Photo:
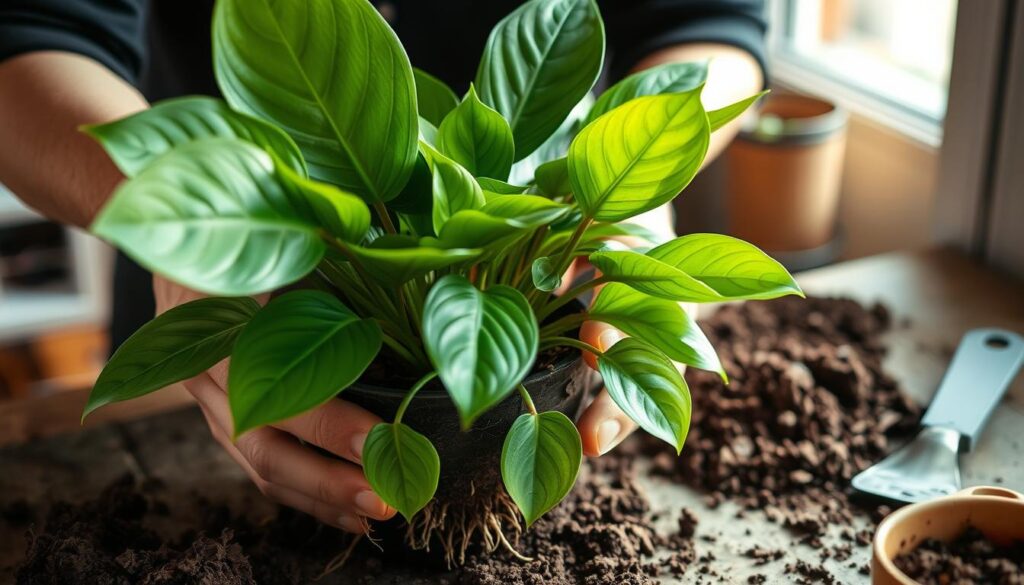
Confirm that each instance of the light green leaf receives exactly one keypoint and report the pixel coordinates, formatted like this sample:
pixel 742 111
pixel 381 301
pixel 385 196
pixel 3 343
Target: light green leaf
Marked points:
pixel 552 178
pixel 342 214
pixel 393 260
pixel 427 134
pixel 648 388
pixel 540 461
pixel 334 76
pixel 297 353
pixel 639 156
pixel 178 344
pixel 545 274
pixel 401 466
pixel 434 99
pixel 653 276
pixel 455 189
pixel 721 117
pixel 526 211
pixel 499 187
pixel 482 344
pixel 665 78
pixel 478 138
pixel 216 216
pixel 539 61
pixel 134 142
pixel 501 218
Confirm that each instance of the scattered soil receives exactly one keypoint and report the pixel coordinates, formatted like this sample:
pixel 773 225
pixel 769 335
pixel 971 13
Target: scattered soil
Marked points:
pixel 971 558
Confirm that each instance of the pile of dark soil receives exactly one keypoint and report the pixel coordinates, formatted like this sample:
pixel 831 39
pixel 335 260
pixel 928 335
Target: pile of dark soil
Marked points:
pixel 971 558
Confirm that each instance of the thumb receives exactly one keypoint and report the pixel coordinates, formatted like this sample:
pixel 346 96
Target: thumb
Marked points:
pixel 600 335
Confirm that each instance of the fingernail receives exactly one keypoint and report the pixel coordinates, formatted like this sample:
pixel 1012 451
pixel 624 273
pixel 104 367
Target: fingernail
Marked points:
pixel 351 523
pixel 607 435
pixel 357 445
pixel 370 504
pixel 607 339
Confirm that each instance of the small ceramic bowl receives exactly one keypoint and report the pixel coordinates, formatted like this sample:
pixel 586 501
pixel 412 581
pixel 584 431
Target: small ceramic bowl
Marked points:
pixel 997 512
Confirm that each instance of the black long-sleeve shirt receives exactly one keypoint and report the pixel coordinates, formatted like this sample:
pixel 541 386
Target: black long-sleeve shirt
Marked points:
pixel 163 47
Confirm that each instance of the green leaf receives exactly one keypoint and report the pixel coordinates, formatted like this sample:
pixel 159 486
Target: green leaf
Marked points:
pixel 427 133
pixel 297 353
pixel 653 276
pixel 417 196
pixel 216 216
pixel 639 156
pixel 665 78
pixel 478 138
pixel 539 61
pixel 556 146
pixel 662 323
pixel 434 99
pixel 455 189
pixel 540 461
pixel 393 260
pixel 499 187
pixel 177 345
pixel 545 274
pixel 482 343
pixel 648 388
pixel 502 217
pixel 401 466
pixel 134 142
pixel 334 76
pixel 732 267
pixel 342 214
pixel 527 211
pixel 721 117
pixel 552 178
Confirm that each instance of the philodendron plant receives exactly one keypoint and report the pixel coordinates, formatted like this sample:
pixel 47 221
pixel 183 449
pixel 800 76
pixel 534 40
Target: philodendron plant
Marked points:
pixel 398 216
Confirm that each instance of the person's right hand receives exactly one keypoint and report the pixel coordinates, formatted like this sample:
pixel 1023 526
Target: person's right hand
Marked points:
pixel 283 468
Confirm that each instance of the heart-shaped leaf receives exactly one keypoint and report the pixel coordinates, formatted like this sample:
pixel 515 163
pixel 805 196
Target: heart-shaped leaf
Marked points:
pixel 478 138
pixel 178 344
pixel 552 178
pixel 482 343
pixel 434 99
pixel 499 187
pixel 721 117
pixel 540 461
pixel 401 466
pixel 302 349
pixel 638 156
pixel 133 142
pixel 648 388
pixel 545 274
pixel 662 323
pixel 539 61
pixel 334 76
pixel 455 189
pixel 216 216
pixel 732 267
pixel 393 260
pixel 653 276
pixel 665 78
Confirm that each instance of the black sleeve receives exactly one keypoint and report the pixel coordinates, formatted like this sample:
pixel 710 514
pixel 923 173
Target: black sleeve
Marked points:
pixel 637 28
pixel 109 31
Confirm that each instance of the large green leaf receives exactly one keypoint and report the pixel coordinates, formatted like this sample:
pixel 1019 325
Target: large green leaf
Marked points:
pixel 215 215
pixel 648 388
pixel 342 214
pixel 334 76
pixel 134 142
pixel 722 116
pixel 455 189
pixel 434 99
pixel 732 267
pixel 540 461
pixel 638 156
pixel 401 466
pixel 660 322
pixel 539 61
pixel 482 343
pixel 297 353
pixel 552 178
pixel 478 138
pixel 665 78
pixel 393 260
pixel 178 344
pixel 652 276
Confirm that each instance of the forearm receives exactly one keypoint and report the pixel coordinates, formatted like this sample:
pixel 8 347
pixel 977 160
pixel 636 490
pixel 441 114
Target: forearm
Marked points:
pixel 44 159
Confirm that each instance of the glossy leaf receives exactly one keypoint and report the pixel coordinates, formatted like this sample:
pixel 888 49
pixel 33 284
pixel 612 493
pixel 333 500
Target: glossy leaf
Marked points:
pixel 333 75
pixel 434 99
pixel 393 260
pixel 556 146
pixel 639 156
pixel 501 217
pixel 418 194
pixel 427 133
pixel 455 189
pixel 401 466
pixel 653 276
pixel 482 343
pixel 721 117
pixel 539 61
pixel 540 461
pixel 665 78
pixel 178 344
pixel 545 274
pixel 478 138
pixel 300 351
pixel 552 178
pixel 134 142
pixel 342 214
pixel 216 216
pixel 499 187
pixel 648 388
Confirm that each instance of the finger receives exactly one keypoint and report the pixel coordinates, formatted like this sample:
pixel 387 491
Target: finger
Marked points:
pixel 603 426
pixel 338 426
pixel 600 335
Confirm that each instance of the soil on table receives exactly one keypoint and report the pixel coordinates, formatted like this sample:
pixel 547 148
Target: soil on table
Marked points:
pixel 968 559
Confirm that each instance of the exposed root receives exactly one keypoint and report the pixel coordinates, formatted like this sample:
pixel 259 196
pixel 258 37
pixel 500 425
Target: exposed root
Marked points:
pixel 342 558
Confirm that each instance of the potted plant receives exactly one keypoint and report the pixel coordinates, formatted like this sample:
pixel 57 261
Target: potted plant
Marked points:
pixel 379 203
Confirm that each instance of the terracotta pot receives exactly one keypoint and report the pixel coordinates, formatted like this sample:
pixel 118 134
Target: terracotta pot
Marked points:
pixel 997 512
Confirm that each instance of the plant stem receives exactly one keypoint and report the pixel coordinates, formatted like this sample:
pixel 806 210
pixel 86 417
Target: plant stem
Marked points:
pixel 568 296
pixel 399 349
pixel 567 323
pixel 385 218
pixel 412 392
pixel 527 400
pixel 554 341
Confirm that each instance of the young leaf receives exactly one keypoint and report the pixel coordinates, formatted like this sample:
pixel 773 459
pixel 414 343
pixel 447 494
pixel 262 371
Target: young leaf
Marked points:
pixel 434 99
pixel 648 388
pixel 478 138
pixel 334 76
pixel 134 142
pixel 401 466
pixel 652 276
pixel 539 61
pixel 499 187
pixel 482 343
pixel 666 78
pixel 502 217
pixel 214 215
pixel 552 178
pixel 732 267
pixel 455 189
pixel 721 117
pixel 342 214
pixel 302 349
pixel 178 344
pixel 393 260
pixel 545 275
pixel 540 461
pixel 526 211
pixel 662 323
pixel 638 156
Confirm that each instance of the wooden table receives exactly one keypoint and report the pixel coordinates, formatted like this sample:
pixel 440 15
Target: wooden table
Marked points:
pixel 941 293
